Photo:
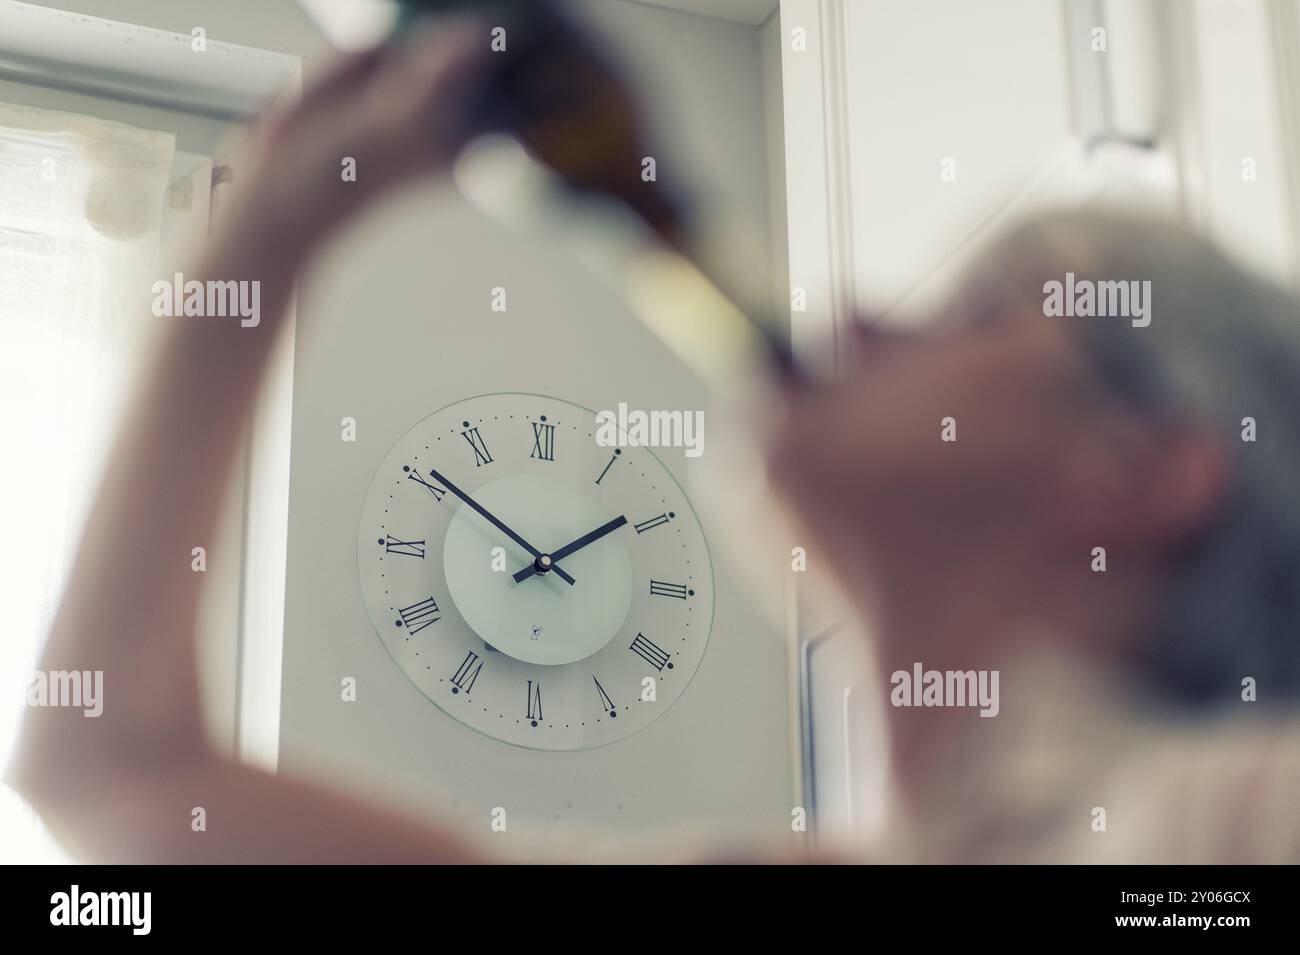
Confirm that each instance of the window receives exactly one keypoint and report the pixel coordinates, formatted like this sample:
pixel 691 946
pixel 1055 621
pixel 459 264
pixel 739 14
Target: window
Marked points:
pixel 81 204
pixel 106 172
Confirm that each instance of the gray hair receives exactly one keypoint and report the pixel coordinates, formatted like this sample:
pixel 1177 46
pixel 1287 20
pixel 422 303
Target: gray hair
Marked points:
pixel 1223 345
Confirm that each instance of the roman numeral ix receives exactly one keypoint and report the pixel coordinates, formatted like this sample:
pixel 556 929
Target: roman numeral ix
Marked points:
pixel 395 545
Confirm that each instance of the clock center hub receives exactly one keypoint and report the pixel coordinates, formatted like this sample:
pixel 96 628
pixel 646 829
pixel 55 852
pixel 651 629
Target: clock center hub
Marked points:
pixel 541 619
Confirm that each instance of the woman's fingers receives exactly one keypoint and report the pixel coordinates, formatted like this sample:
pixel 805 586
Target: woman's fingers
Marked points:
pixel 340 77
pixel 416 106
pixel 321 94
pixel 374 121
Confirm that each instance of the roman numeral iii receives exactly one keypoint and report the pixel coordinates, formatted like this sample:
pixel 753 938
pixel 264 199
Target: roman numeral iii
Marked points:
pixel 481 454
pixel 660 589
pixel 403 548
pixel 543 442
pixel 651 654
pixel 419 615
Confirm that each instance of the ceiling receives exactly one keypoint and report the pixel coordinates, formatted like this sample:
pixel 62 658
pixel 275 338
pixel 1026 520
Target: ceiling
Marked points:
pixel 752 12
pixel 356 24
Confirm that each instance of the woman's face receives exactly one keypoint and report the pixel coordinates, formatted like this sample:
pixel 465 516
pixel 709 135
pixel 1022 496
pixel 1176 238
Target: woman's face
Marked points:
pixel 988 443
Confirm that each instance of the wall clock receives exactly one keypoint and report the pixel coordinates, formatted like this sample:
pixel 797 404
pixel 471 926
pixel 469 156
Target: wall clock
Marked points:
pixel 537 586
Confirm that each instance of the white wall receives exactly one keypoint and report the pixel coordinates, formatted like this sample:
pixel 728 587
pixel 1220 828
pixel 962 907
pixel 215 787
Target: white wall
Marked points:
pixel 1237 102
pixel 982 84
pixel 395 323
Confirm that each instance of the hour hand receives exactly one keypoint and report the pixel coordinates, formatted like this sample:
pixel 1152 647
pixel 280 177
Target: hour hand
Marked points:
pixel 559 571
pixel 547 561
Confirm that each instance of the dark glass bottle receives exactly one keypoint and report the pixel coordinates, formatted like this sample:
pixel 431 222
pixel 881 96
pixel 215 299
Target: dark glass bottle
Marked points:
pixel 567 103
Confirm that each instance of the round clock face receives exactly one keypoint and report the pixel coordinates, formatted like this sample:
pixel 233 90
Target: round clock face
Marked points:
pixel 538 586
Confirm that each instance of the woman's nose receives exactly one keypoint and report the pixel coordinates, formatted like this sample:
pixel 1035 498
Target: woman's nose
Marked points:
pixel 871 340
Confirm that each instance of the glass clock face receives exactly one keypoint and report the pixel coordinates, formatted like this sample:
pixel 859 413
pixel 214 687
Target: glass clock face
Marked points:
pixel 541 588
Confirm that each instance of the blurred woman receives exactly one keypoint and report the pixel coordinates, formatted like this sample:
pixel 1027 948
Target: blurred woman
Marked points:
pixel 1115 527
pixel 971 554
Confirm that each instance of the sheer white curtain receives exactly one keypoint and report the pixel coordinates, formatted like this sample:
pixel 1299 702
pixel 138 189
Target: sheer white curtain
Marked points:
pixel 80 214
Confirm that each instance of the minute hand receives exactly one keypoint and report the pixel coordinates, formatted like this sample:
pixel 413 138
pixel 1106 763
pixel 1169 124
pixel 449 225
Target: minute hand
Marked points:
pixel 576 545
pixel 559 571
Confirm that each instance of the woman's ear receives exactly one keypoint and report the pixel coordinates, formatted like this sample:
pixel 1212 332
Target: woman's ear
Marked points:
pixel 1138 485
pixel 1188 483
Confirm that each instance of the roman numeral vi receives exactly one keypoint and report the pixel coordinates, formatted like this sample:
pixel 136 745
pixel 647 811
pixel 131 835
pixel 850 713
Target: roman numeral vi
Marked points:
pixel 534 702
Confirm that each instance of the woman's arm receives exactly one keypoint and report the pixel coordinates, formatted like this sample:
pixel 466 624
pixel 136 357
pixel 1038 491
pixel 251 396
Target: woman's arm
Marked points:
pixel 123 786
